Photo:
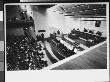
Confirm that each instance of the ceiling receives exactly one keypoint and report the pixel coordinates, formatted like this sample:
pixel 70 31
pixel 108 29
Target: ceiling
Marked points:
pixel 82 10
pixel 41 7
pixel 46 6
pixel 76 10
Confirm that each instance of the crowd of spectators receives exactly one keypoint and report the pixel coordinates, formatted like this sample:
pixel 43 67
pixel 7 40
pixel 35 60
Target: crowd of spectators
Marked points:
pixel 24 53
pixel 40 37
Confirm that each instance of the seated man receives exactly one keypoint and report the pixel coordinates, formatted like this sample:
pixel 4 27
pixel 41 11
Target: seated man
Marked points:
pixel 85 30
pixel 90 31
pixel 73 31
pixel 99 33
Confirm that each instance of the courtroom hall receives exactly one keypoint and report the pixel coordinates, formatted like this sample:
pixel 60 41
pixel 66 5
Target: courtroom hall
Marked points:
pixel 39 36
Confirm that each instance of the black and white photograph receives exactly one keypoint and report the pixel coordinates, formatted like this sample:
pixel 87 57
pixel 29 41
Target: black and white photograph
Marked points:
pixel 56 36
